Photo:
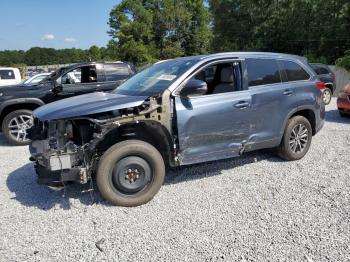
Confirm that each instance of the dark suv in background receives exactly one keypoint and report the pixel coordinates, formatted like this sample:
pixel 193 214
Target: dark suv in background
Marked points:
pixel 18 102
pixel 326 75
pixel 178 112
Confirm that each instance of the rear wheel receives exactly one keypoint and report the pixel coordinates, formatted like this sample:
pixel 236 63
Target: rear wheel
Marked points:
pixel 296 140
pixel 130 173
pixel 327 95
pixel 15 126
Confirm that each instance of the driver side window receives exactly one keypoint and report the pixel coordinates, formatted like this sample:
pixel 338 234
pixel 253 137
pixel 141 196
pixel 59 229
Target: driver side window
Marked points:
pixel 85 74
pixel 221 77
pixel 72 77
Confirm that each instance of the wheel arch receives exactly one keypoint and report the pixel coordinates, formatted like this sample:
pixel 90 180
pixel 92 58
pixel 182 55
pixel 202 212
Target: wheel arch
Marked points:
pixel 330 86
pixel 306 112
pixel 12 105
pixel 148 131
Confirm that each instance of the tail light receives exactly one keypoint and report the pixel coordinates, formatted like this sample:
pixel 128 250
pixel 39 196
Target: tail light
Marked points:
pixel 320 85
pixel 333 77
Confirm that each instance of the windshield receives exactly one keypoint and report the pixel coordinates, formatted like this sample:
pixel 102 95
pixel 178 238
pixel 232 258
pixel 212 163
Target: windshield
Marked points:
pixel 52 75
pixel 155 79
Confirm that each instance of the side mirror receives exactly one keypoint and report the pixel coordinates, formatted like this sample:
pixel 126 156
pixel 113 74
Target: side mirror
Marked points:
pixel 57 86
pixel 194 87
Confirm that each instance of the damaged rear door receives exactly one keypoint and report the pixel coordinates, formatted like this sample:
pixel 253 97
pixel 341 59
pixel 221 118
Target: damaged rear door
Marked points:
pixel 213 126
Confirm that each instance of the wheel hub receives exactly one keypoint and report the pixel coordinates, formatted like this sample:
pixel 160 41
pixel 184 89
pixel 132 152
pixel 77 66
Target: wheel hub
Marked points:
pixel 326 96
pixel 131 174
pixel 19 125
pixel 299 138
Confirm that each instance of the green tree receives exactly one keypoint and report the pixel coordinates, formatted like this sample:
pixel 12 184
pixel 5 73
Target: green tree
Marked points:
pixel 131 31
pixel 314 28
pixel 149 30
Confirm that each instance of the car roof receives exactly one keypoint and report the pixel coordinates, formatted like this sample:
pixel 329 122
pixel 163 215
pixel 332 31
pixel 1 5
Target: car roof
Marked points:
pixel 8 68
pixel 241 55
pixel 319 64
pixel 93 63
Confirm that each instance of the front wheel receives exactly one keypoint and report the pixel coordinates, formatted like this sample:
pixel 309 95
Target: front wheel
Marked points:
pixel 15 127
pixel 130 173
pixel 296 139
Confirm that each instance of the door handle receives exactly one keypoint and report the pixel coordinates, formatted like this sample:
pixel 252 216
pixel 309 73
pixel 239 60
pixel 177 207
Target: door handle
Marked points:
pixel 288 92
pixel 241 105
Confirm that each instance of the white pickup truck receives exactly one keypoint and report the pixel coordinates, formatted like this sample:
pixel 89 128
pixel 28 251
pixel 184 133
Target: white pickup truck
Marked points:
pixel 9 76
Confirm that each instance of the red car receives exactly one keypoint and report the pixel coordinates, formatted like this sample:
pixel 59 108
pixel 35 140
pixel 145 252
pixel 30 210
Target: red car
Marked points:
pixel 343 101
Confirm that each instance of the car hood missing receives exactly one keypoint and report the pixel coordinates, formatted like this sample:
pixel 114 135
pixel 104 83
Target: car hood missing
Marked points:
pixel 85 105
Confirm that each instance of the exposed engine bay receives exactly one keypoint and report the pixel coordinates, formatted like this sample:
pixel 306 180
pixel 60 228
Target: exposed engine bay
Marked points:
pixel 69 149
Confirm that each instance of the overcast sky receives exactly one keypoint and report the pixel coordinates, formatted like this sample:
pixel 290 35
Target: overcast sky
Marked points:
pixel 54 23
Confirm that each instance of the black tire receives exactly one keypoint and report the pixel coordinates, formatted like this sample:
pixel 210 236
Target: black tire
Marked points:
pixel 327 95
pixel 8 131
pixel 286 150
pixel 115 180
pixel 342 114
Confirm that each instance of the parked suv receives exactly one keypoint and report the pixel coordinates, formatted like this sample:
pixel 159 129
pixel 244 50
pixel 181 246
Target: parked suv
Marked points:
pixel 326 75
pixel 18 102
pixel 178 112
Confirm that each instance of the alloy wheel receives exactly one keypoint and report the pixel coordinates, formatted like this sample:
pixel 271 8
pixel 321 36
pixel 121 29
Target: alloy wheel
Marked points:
pixel 299 138
pixel 18 127
pixel 326 96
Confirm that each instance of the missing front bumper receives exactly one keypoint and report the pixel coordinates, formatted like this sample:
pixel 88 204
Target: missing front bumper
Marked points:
pixel 58 178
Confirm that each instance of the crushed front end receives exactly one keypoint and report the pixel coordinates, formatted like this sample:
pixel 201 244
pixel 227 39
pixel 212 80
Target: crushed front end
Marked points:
pixel 69 149
pixel 60 151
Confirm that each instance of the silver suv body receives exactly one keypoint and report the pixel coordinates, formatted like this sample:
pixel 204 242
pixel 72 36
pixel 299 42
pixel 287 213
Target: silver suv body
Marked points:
pixel 178 112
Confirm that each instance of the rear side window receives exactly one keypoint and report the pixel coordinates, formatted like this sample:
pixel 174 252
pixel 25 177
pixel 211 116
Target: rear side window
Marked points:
pixel 294 72
pixel 320 70
pixel 7 74
pixel 262 72
pixel 115 72
pixel 323 71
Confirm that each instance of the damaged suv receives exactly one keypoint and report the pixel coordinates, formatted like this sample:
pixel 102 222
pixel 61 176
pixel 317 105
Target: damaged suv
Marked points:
pixel 178 112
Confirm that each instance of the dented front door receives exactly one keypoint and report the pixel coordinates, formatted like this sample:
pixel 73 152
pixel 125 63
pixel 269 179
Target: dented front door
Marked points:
pixel 212 127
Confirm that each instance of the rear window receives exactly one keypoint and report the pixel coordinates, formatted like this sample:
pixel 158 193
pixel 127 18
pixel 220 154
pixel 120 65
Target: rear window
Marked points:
pixel 294 72
pixel 323 71
pixel 115 72
pixel 262 72
pixel 320 70
pixel 7 74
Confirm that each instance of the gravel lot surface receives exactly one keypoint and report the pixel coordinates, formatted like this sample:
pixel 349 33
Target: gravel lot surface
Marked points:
pixel 253 208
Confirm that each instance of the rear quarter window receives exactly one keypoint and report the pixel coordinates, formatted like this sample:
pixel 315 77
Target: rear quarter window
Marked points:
pixel 7 74
pixel 320 70
pixel 324 71
pixel 294 72
pixel 262 72
pixel 115 72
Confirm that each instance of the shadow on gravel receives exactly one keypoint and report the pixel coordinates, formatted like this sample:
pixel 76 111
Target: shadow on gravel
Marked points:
pixel 199 171
pixel 333 116
pixel 22 182
pixel 3 141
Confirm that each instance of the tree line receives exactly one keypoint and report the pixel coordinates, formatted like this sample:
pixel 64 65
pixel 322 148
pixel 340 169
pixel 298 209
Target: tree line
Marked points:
pixel 144 31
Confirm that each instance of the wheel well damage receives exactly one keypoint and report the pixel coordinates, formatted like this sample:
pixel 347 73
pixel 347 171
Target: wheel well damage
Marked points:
pixel 148 131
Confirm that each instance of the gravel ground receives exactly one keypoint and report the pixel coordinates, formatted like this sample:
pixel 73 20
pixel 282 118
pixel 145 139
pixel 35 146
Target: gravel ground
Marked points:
pixel 253 208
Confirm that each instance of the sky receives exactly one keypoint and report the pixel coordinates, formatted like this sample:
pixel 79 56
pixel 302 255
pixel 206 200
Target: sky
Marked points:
pixel 54 23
